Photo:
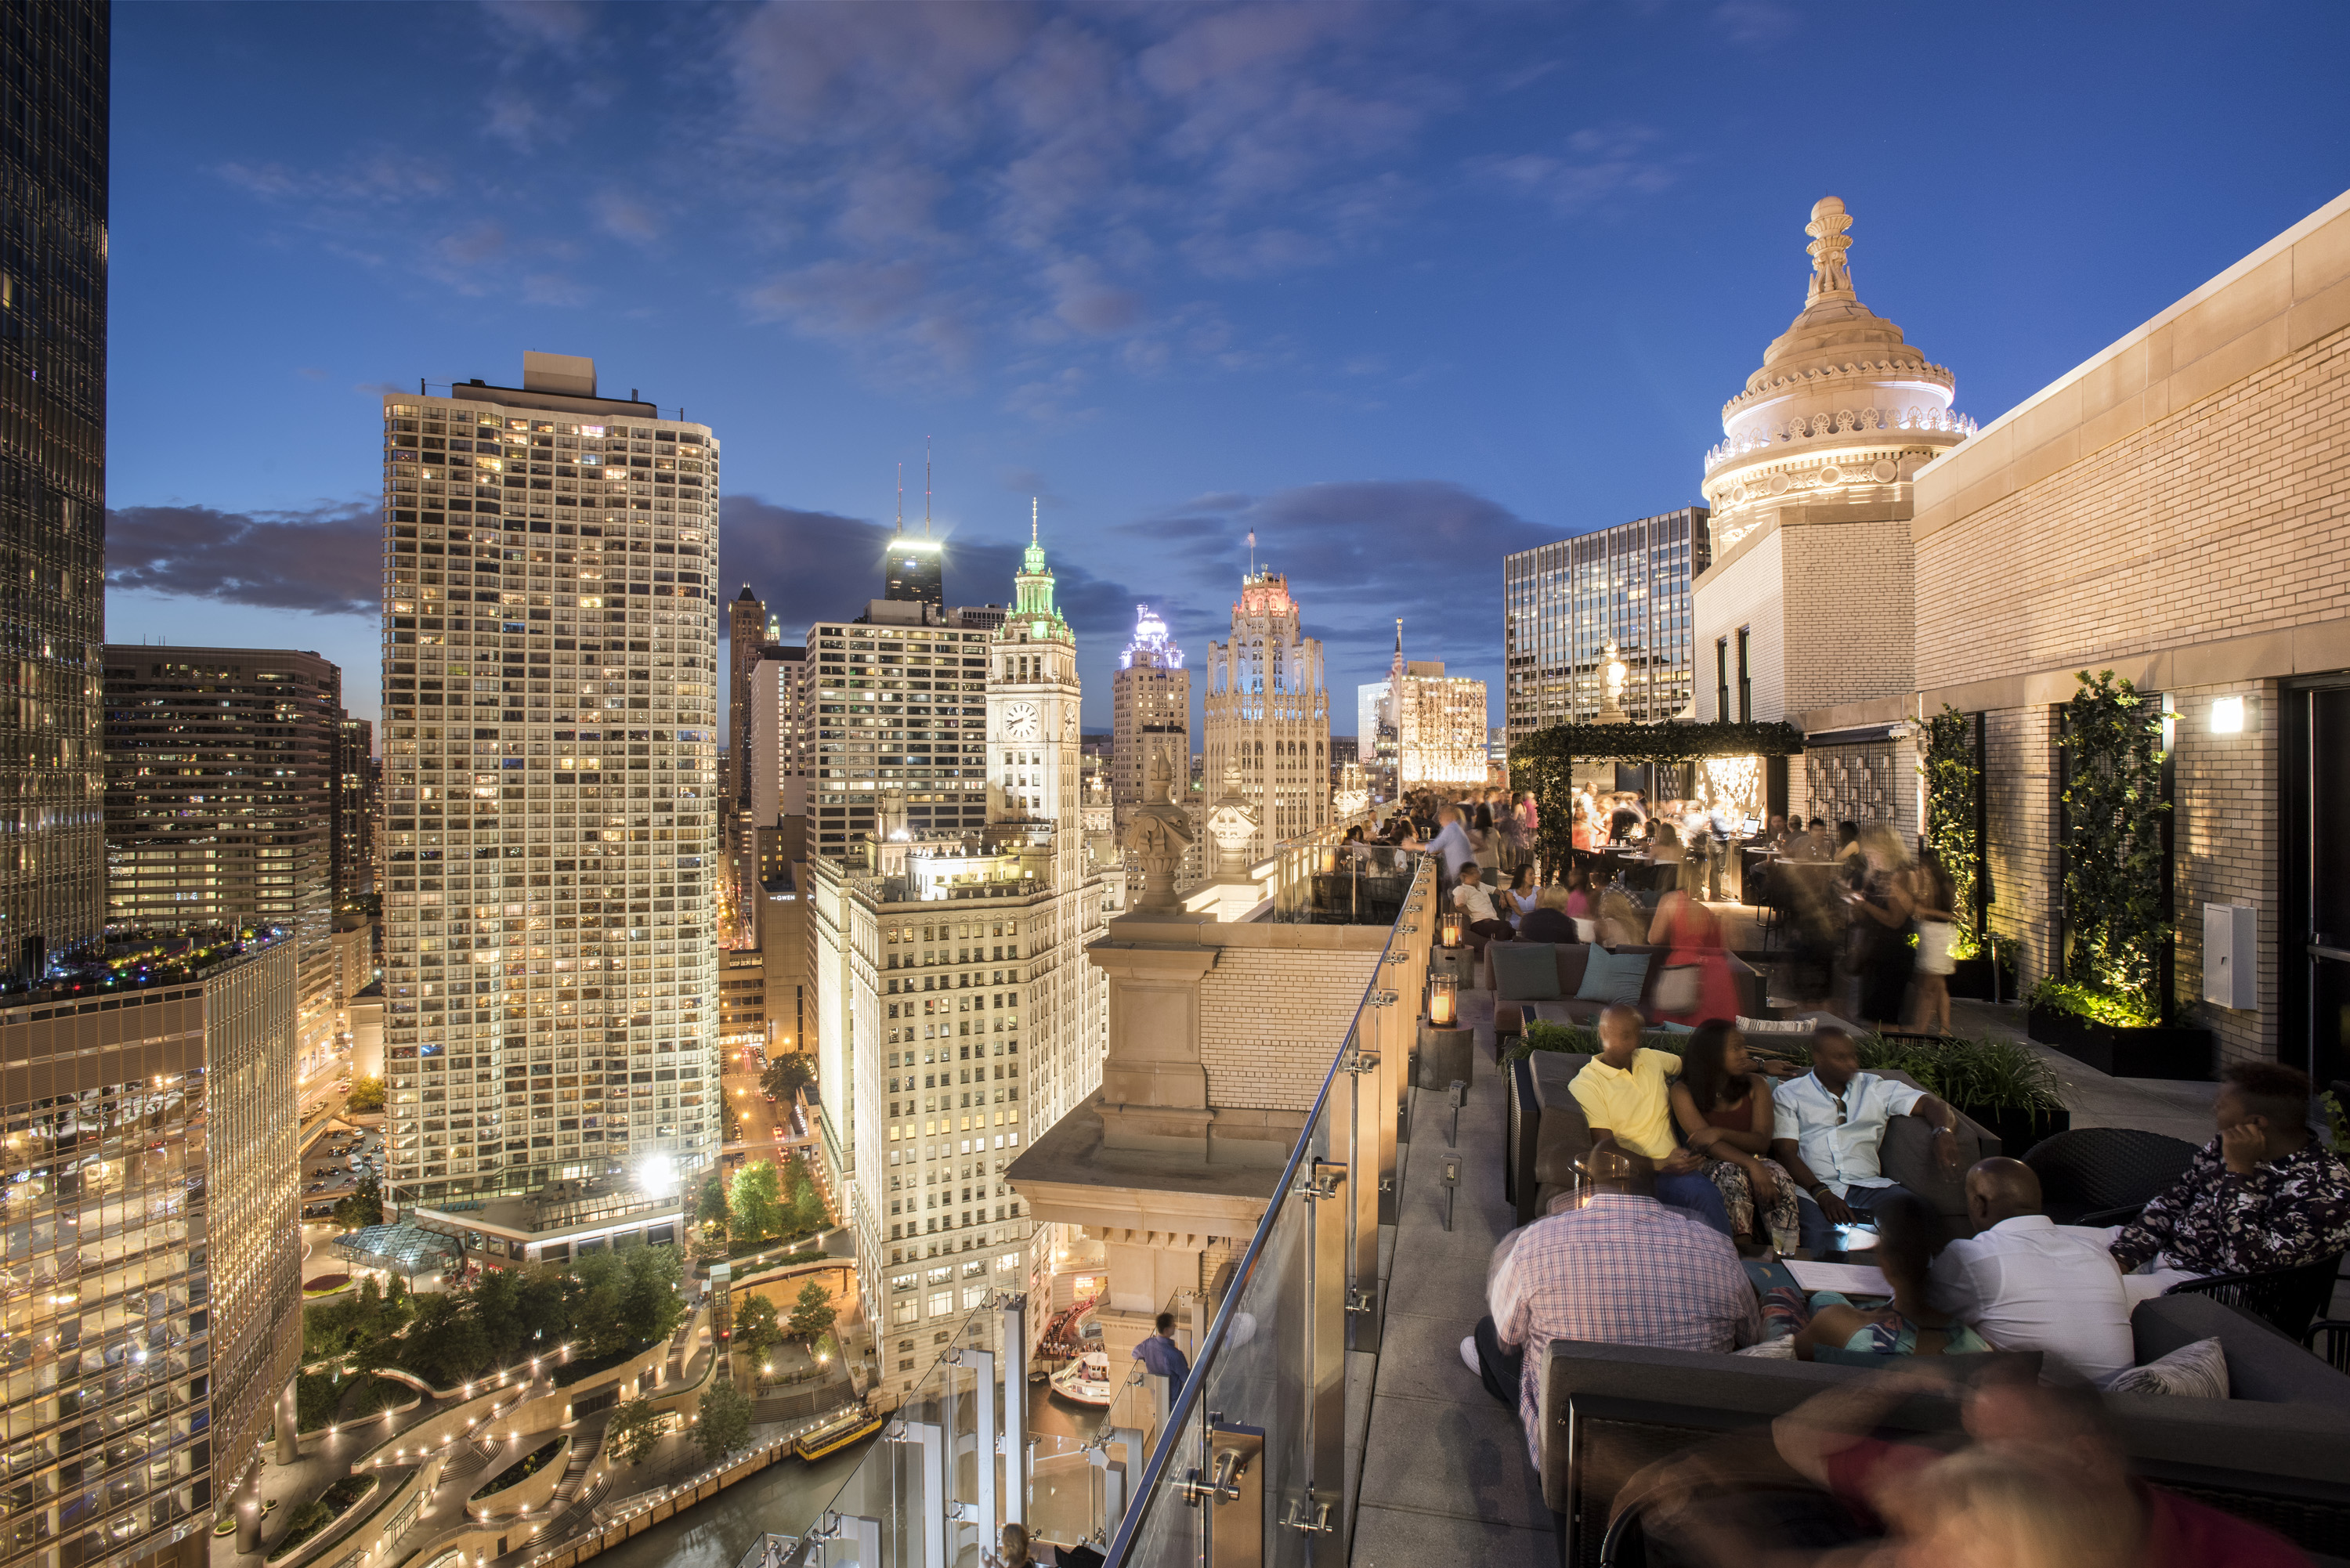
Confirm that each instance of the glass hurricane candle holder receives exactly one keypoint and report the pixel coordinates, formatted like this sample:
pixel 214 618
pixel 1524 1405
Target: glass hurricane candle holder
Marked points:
pixel 1444 1001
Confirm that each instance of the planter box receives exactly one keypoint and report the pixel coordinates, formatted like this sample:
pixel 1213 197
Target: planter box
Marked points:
pixel 2017 1130
pixel 2183 1053
pixel 1977 980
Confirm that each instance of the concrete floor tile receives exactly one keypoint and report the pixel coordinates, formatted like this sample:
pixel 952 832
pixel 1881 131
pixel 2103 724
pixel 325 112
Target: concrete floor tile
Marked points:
pixel 1395 1538
pixel 1466 1460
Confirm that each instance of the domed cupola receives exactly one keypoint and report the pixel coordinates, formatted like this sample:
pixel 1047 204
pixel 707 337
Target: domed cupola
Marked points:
pixel 1844 410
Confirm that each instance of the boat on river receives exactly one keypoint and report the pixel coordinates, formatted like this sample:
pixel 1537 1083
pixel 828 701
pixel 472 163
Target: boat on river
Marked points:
pixel 850 1426
pixel 1085 1379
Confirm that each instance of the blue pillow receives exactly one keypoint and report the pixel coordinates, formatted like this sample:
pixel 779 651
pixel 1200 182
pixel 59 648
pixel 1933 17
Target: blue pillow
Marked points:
pixel 1613 977
pixel 1524 972
pixel 1667 1027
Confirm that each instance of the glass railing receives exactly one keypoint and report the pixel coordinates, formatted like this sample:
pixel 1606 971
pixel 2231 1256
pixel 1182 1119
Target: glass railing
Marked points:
pixel 1251 1466
pixel 1323 879
pixel 1245 1462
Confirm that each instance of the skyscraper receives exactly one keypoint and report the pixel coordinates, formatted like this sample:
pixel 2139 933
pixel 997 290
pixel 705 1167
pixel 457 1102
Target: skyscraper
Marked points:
pixel 1150 705
pixel 901 708
pixel 1563 604
pixel 955 1015
pixel 220 800
pixel 53 480
pixel 1438 722
pixel 746 625
pixel 355 803
pixel 551 709
pixel 1268 713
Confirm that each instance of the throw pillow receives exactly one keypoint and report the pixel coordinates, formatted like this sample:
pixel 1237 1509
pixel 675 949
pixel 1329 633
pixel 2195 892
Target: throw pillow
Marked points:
pixel 1775 1025
pixel 1780 1349
pixel 1613 977
pixel 1667 1026
pixel 2198 1371
pixel 1524 972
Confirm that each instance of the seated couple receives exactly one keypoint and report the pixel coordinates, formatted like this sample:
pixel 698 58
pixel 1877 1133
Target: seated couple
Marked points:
pixel 1831 1121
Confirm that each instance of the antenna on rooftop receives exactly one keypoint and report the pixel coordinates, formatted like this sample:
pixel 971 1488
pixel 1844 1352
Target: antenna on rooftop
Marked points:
pixel 1031 520
pixel 1252 542
pixel 926 487
pixel 901 498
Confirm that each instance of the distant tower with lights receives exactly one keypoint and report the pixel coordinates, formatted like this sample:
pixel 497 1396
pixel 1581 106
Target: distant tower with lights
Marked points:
pixel 1268 712
pixel 1150 709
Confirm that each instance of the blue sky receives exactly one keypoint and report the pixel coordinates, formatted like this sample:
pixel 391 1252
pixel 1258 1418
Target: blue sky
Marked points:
pixel 1402 288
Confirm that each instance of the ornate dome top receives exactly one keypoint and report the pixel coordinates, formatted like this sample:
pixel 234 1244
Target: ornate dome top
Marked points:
pixel 1842 401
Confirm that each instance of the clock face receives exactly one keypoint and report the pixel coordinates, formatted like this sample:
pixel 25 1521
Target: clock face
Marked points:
pixel 1020 721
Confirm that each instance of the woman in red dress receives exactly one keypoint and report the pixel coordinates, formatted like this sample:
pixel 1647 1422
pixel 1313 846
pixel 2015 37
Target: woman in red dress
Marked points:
pixel 1691 935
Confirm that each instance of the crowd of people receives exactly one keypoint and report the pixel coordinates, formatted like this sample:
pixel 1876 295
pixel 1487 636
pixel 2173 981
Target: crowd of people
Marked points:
pixel 1691 1155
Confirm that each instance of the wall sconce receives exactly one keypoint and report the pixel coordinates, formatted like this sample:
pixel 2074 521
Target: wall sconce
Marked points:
pixel 1443 1001
pixel 1450 937
pixel 2235 715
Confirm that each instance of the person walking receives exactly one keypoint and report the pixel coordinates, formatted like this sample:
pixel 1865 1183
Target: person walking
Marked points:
pixel 1881 911
pixel 1935 908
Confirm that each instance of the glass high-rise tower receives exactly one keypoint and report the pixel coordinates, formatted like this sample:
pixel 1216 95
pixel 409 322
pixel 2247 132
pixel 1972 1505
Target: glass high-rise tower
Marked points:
pixel 53 146
pixel 551 829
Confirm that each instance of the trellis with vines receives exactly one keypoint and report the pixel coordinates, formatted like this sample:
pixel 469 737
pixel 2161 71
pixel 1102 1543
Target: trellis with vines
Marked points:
pixel 2117 846
pixel 1953 776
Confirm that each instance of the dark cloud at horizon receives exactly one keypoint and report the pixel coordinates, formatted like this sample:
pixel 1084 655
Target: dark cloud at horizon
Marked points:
pixel 323 560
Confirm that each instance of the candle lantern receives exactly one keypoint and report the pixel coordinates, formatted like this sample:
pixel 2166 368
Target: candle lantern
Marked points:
pixel 1443 1001
pixel 1451 928
pixel 1329 859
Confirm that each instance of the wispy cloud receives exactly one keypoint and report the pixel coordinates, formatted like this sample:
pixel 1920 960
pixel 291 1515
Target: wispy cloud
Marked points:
pixel 1595 165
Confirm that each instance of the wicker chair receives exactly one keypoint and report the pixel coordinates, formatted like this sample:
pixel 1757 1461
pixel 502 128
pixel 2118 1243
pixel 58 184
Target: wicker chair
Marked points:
pixel 2103 1176
pixel 2287 1298
pixel 2329 1338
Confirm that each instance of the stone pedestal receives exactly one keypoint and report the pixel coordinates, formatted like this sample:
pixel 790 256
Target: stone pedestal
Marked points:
pixel 1446 1056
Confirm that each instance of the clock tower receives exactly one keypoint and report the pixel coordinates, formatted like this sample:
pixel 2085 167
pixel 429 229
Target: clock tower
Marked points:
pixel 1031 715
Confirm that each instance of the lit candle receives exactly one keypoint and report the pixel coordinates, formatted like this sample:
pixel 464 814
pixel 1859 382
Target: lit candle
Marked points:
pixel 1443 1000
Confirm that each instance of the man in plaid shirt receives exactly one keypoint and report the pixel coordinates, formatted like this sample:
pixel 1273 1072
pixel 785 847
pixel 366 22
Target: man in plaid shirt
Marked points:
pixel 1621 1268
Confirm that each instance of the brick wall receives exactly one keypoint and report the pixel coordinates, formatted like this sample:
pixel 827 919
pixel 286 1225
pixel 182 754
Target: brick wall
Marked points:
pixel 2224 850
pixel 1848 604
pixel 1744 593
pixel 1271 1020
pixel 2223 520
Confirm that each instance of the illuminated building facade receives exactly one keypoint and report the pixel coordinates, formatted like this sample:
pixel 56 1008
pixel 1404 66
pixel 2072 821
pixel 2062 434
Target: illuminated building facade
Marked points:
pixel 955 1012
pixel 1268 713
pixel 220 800
pixel 1438 722
pixel 1150 705
pixel 53 480
pixel 551 825
pixel 1565 603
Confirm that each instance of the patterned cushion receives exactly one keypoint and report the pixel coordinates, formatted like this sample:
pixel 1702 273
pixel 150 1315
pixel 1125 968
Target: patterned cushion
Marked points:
pixel 1613 977
pixel 2198 1371
pixel 1524 972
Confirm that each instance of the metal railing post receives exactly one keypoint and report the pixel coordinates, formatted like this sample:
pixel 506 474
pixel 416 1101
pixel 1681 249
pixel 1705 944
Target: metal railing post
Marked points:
pixel 1015 1410
pixel 982 1366
pixel 932 1509
pixel 1313 1510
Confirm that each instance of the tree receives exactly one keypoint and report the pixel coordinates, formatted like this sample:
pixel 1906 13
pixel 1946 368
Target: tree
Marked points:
pixel 724 1417
pixel 362 1207
pixel 756 1200
pixel 787 1074
pixel 812 1313
pixel 634 1431
pixel 366 1097
pixel 651 1305
pixel 713 1209
pixel 757 1326
pixel 808 1211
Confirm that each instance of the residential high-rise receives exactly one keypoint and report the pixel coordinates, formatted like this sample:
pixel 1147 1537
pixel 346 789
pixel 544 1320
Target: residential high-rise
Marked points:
pixel 1268 713
pixel 746 625
pixel 1151 706
pixel 53 480
pixel 780 743
pixel 1438 722
pixel 220 800
pixel 551 710
pixel 355 803
pixel 1565 604
pixel 955 1012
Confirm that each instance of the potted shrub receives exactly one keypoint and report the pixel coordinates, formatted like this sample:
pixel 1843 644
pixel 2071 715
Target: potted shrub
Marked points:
pixel 2110 1008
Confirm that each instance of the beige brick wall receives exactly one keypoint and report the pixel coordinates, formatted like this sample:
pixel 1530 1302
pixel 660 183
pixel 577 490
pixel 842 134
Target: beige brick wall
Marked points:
pixel 2020 841
pixel 1272 1019
pixel 2229 518
pixel 2224 850
pixel 1744 592
pixel 1849 609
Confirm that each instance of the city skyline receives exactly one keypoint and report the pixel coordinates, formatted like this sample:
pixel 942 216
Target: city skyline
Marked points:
pixel 1202 340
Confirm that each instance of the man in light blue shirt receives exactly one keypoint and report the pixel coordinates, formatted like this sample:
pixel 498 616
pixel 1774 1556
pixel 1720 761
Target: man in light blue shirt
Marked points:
pixel 1452 844
pixel 1837 1116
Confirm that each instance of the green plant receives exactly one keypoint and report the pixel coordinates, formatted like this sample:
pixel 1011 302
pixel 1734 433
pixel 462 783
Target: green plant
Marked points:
pixel 2098 1004
pixel 515 1475
pixel 1953 779
pixel 2116 860
pixel 722 1419
pixel 366 1097
pixel 2338 1123
pixel 634 1431
pixel 813 1311
pixel 787 1074
pixel 757 1326
pixel 755 1201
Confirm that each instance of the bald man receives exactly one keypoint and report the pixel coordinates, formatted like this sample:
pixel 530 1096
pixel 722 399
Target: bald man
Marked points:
pixel 2028 1283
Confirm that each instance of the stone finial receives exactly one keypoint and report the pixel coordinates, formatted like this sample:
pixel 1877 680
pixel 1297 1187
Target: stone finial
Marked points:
pixel 1829 273
pixel 1158 833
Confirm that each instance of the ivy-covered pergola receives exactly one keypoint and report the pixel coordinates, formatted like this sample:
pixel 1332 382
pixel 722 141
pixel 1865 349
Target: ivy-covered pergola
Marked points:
pixel 1544 763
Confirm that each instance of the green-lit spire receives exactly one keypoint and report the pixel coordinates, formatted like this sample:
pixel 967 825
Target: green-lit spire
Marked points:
pixel 1033 585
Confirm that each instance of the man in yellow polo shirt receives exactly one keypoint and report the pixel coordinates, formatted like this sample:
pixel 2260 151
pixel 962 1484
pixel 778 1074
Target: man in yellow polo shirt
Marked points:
pixel 1625 1096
